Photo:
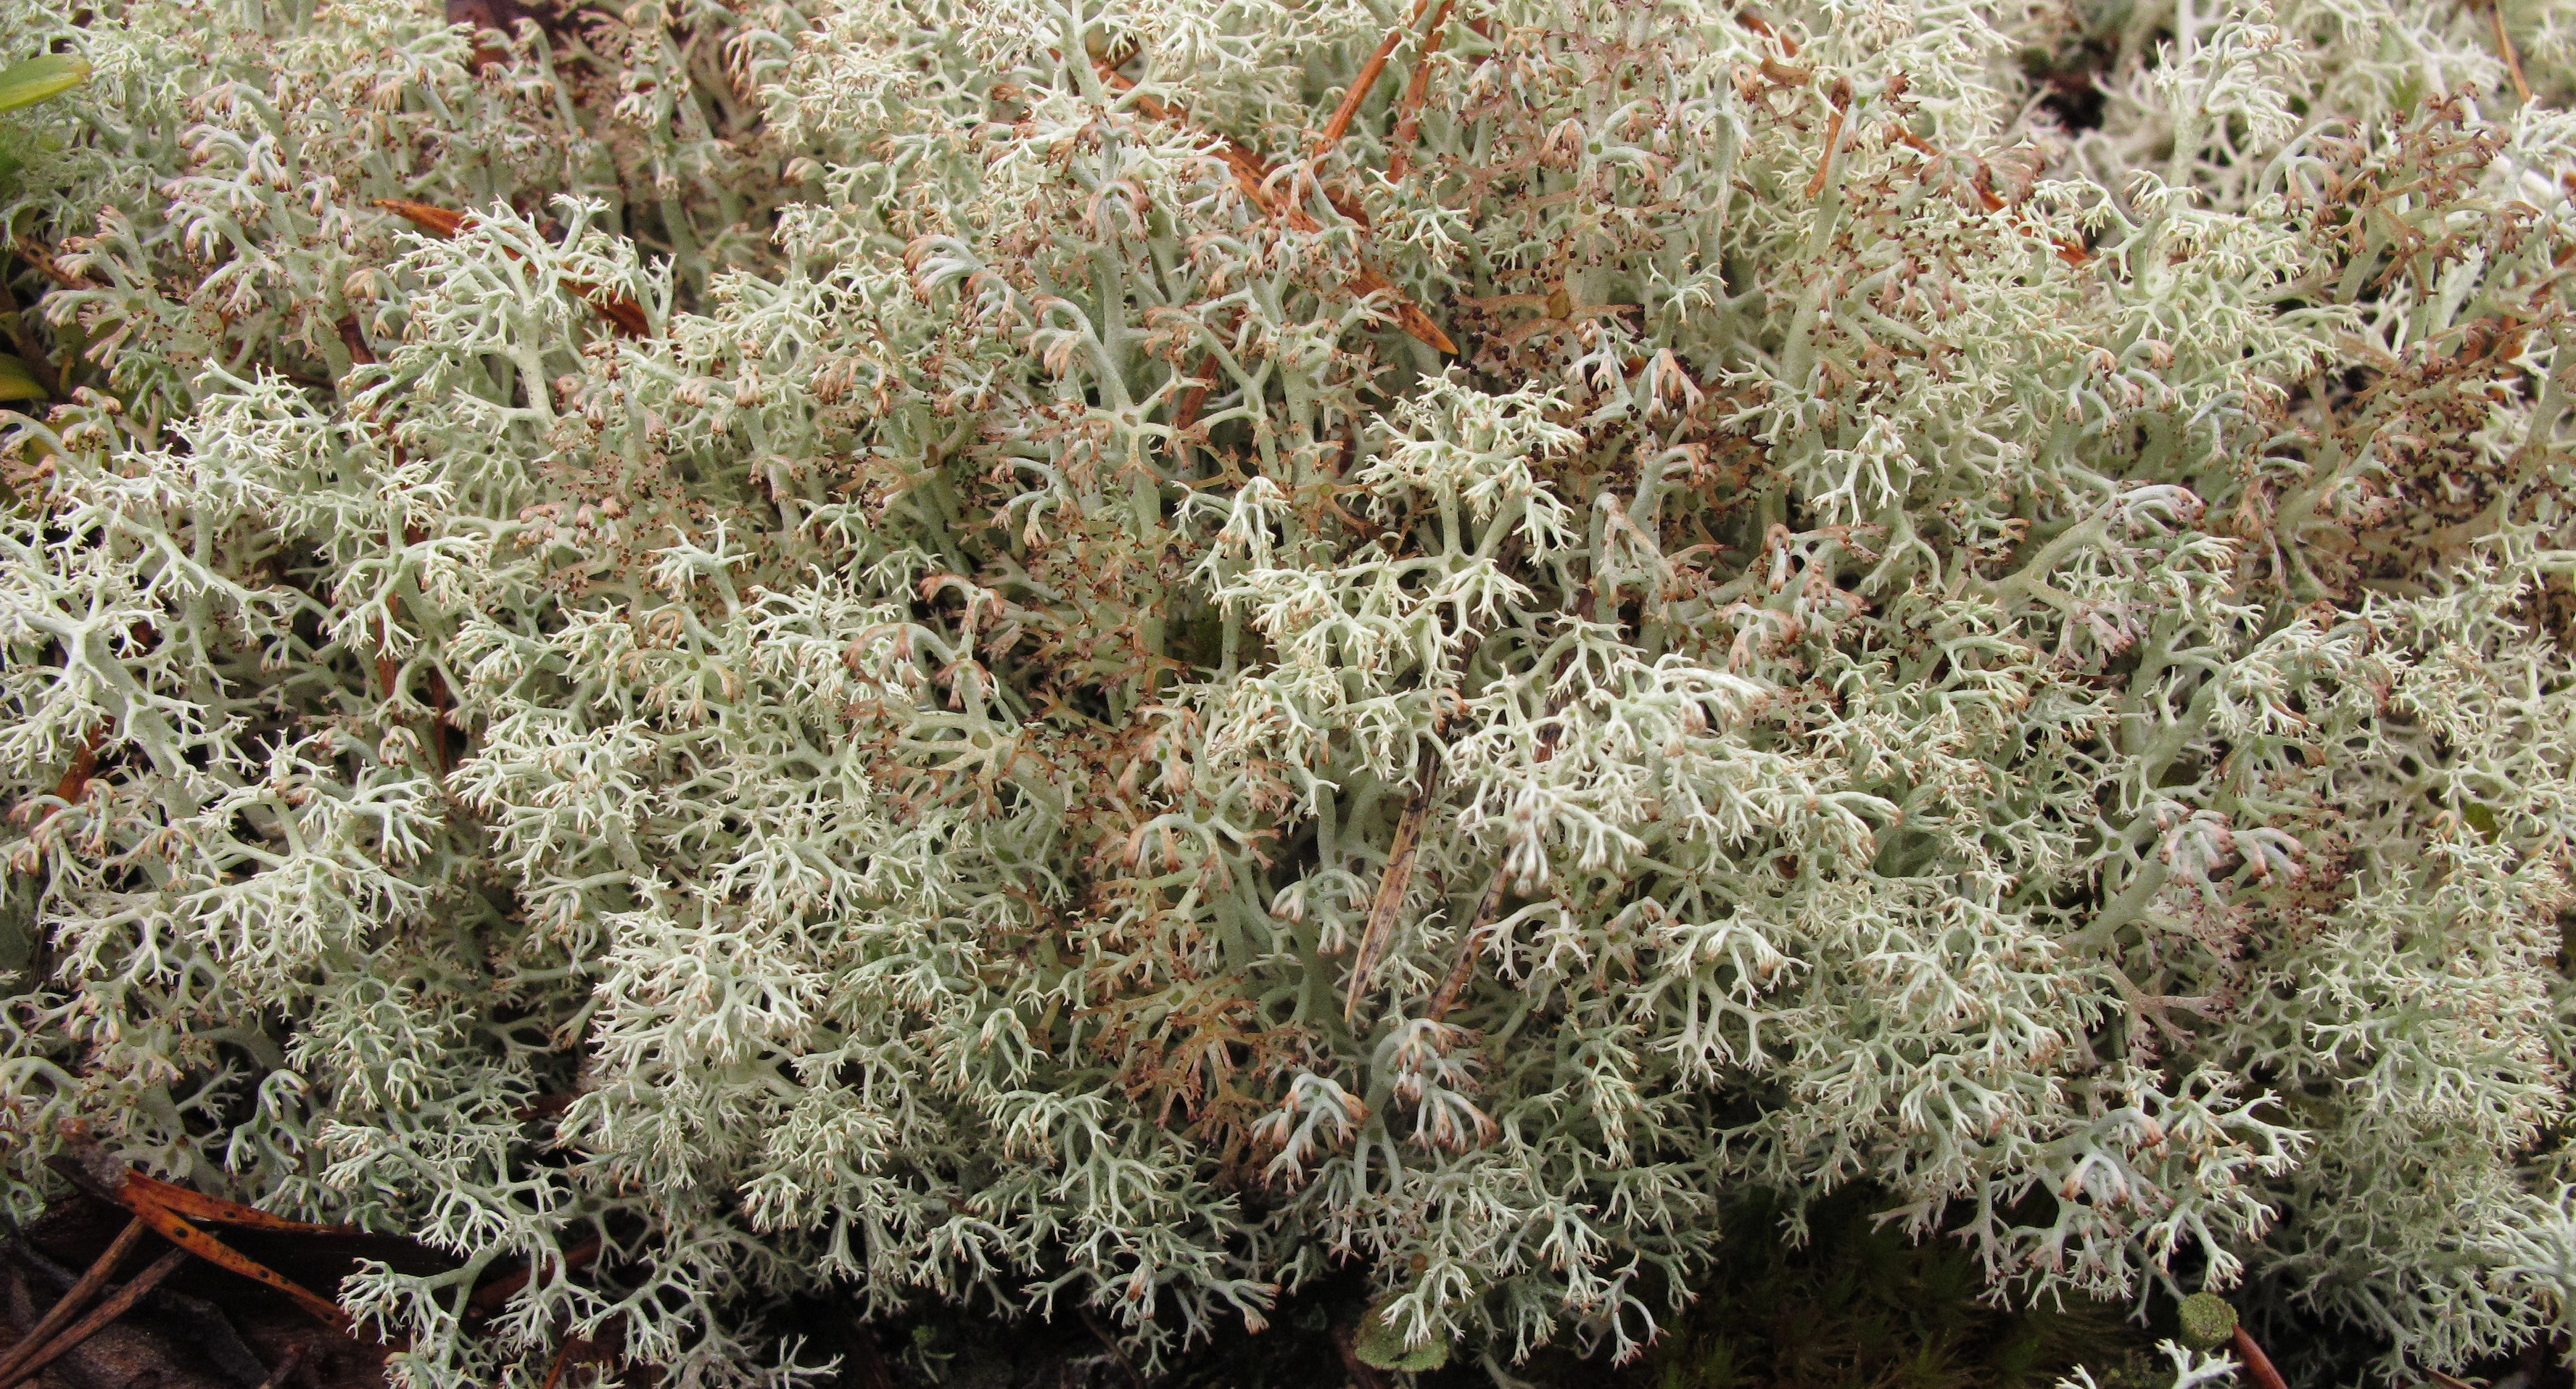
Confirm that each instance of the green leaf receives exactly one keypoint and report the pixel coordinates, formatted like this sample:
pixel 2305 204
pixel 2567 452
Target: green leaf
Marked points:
pixel 17 382
pixel 38 78
pixel 1382 1346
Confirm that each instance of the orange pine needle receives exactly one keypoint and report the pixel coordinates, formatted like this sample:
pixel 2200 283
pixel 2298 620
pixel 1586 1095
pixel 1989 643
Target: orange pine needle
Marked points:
pixel 1340 124
pixel 1417 90
pixel 169 1226
pixel 160 1205
pixel 196 1205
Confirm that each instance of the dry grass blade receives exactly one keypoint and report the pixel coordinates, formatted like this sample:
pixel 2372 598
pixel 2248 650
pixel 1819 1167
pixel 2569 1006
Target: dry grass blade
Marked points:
pixel 2504 47
pixel 1391 888
pixel 1469 942
pixel 117 1305
pixel 76 1297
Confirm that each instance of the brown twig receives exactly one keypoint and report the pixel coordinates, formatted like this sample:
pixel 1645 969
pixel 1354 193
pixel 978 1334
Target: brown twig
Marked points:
pixel 564 1355
pixel 71 1302
pixel 387 669
pixel 1117 1352
pixel 354 339
pixel 285 1366
pixel 102 1174
pixel 35 255
pixel 1400 856
pixel 196 1205
pixel 214 1251
pixel 115 1306
pixel 1408 315
pixel 1833 140
pixel 1362 1373
pixel 83 770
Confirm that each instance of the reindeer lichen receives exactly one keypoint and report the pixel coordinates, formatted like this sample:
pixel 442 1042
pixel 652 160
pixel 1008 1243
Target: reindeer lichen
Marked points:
pixel 1104 654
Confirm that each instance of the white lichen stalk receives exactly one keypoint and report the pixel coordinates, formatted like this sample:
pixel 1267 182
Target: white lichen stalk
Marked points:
pixel 1032 739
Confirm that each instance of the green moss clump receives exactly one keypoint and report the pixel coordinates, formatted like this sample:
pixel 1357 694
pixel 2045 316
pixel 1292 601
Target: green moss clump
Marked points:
pixel 1859 1305
pixel 2207 1320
